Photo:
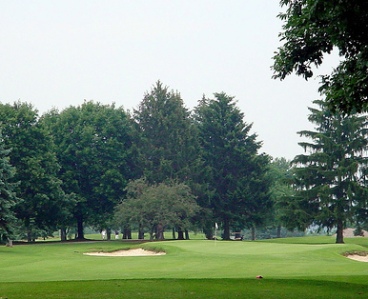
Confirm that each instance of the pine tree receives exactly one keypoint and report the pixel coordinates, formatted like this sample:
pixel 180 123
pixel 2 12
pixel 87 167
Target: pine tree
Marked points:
pixel 329 177
pixel 236 171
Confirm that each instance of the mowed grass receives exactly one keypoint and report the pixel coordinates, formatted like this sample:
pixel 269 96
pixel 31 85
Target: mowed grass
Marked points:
pixel 311 267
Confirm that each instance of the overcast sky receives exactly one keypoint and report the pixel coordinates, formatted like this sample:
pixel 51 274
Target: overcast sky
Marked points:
pixel 55 54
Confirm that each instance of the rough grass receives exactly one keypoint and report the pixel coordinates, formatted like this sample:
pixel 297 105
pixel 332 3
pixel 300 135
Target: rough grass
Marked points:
pixel 292 268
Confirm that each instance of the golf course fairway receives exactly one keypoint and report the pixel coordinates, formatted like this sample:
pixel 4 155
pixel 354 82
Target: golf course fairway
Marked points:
pixel 307 267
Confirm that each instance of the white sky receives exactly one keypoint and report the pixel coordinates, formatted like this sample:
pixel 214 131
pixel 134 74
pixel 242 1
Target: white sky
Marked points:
pixel 58 53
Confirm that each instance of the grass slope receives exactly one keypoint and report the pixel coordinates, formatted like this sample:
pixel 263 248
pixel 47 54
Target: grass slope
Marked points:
pixel 292 268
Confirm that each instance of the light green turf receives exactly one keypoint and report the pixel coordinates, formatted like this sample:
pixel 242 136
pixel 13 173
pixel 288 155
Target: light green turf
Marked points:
pixel 184 259
pixel 303 268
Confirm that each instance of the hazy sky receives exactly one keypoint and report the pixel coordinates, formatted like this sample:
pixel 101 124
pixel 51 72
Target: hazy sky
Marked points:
pixel 58 53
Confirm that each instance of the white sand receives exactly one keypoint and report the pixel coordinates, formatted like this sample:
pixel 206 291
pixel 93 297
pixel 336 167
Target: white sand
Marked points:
pixel 130 252
pixel 359 258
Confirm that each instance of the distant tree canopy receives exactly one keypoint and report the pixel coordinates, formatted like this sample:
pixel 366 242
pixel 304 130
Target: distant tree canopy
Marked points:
pixel 281 174
pixel 315 28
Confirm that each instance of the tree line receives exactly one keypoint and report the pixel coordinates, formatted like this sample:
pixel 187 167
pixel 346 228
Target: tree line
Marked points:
pixel 162 167
pixel 95 164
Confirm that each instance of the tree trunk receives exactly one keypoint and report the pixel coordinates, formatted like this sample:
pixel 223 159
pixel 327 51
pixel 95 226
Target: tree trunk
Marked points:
pixel 226 229
pixel 186 234
pixel 108 234
pixel 127 233
pixel 30 235
pixel 173 233
pixel 278 231
pixel 340 232
pixel 253 230
pixel 9 243
pixel 63 234
pixel 208 232
pixel 140 232
pixel 80 228
pixel 180 234
pixel 159 232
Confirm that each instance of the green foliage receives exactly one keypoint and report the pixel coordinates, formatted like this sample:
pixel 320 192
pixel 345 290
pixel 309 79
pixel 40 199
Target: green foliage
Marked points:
pixel 93 144
pixel 330 179
pixel 154 207
pixel 166 138
pixel 8 198
pixel 314 28
pixel 36 167
pixel 236 172
pixel 282 194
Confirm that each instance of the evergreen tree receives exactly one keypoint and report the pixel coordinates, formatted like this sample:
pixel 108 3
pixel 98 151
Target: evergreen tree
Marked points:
pixel 328 178
pixel 236 170
pixel 166 141
pixel 166 137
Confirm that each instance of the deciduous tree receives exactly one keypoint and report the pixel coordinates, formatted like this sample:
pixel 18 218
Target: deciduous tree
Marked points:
pixel 155 206
pixel 93 148
pixel 315 28
pixel 36 168
pixel 8 198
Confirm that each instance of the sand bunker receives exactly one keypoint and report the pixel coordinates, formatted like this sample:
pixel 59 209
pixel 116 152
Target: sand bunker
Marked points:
pixel 359 258
pixel 130 252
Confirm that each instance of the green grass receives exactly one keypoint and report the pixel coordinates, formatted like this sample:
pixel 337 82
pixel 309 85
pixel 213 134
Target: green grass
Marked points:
pixel 308 267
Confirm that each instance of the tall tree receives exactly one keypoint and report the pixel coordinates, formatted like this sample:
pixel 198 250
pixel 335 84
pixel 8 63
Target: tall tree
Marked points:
pixel 36 164
pixel 93 147
pixel 166 136
pixel 329 178
pixel 237 172
pixel 8 198
pixel 313 29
